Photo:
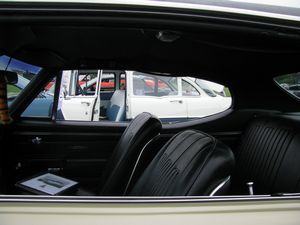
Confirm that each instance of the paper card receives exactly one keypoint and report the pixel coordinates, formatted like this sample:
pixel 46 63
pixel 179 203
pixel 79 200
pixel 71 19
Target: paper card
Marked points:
pixel 48 183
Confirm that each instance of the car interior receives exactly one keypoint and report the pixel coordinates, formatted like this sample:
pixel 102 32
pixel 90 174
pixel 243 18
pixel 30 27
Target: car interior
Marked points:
pixel 253 148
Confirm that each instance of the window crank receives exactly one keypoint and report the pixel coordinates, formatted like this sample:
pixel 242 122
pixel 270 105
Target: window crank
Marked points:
pixel 250 188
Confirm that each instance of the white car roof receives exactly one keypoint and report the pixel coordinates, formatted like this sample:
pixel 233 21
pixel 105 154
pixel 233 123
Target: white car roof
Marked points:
pixel 279 9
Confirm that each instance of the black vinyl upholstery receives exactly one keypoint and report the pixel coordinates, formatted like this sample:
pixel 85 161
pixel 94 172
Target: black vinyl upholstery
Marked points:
pixel 118 170
pixel 269 156
pixel 190 163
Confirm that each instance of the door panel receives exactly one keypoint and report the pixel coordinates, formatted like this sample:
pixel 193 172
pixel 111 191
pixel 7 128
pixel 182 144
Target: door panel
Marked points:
pixel 201 106
pixel 162 107
pixel 84 108
pixel 80 150
pixel 74 150
pixel 78 101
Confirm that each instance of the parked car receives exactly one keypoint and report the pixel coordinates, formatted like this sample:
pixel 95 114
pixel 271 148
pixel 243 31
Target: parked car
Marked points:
pixel 144 92
pixel 239 166
pixel 170 98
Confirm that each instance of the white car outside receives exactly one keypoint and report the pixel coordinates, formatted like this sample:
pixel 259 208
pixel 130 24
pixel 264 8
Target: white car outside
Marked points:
pixel 170 98
pixel 176 98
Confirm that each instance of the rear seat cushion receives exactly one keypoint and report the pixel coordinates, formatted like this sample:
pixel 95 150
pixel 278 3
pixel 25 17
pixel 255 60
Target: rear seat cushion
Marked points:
pixel 269 156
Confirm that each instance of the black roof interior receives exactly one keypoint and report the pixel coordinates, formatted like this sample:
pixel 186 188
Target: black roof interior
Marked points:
pixel 235 51
pixel 138 48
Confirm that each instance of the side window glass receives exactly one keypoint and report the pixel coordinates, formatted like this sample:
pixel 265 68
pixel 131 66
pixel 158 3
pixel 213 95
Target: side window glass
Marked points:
pixel 188 89
pixel 152 85
pixel 82 83
pixel 290 83
pixel 42 105
pixel 166 86
pixel 125 94
pixel 173 82
pixel 143 85
pixel 108 82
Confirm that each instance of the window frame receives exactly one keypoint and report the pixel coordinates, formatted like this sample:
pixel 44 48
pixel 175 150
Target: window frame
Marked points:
pixel 295 97
pixel 188 96
pixel 182 124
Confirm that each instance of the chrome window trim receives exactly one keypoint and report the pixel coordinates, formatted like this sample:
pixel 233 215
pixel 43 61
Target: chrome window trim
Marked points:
pixel 144 200
pixel 219 186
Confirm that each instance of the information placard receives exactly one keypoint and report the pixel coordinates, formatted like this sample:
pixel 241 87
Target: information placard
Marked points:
pixel 48 184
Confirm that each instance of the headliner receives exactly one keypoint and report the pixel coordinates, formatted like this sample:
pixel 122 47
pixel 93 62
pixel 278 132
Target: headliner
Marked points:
pixel 218 46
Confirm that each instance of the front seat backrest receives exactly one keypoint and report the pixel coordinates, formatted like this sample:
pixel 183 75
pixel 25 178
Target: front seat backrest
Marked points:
pixel 191 163
pixel 139 132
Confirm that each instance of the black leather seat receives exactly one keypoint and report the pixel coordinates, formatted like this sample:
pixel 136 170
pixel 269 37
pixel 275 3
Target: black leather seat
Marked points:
pixel 269 156
pixel 190 163
pixel 119 168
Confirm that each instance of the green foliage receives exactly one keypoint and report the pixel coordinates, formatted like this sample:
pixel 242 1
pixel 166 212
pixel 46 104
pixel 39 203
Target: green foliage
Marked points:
pixel 227 92
pixel 12 90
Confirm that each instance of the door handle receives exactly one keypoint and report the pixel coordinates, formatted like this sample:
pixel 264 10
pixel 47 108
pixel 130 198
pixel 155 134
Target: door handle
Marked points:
pixel 179 101
pixel 87 103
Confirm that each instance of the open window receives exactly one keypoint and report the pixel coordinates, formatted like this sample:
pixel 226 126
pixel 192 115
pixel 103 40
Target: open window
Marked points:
pixel 128 93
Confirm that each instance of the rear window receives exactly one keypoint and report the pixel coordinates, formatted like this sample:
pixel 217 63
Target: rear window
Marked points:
pixel 290 83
